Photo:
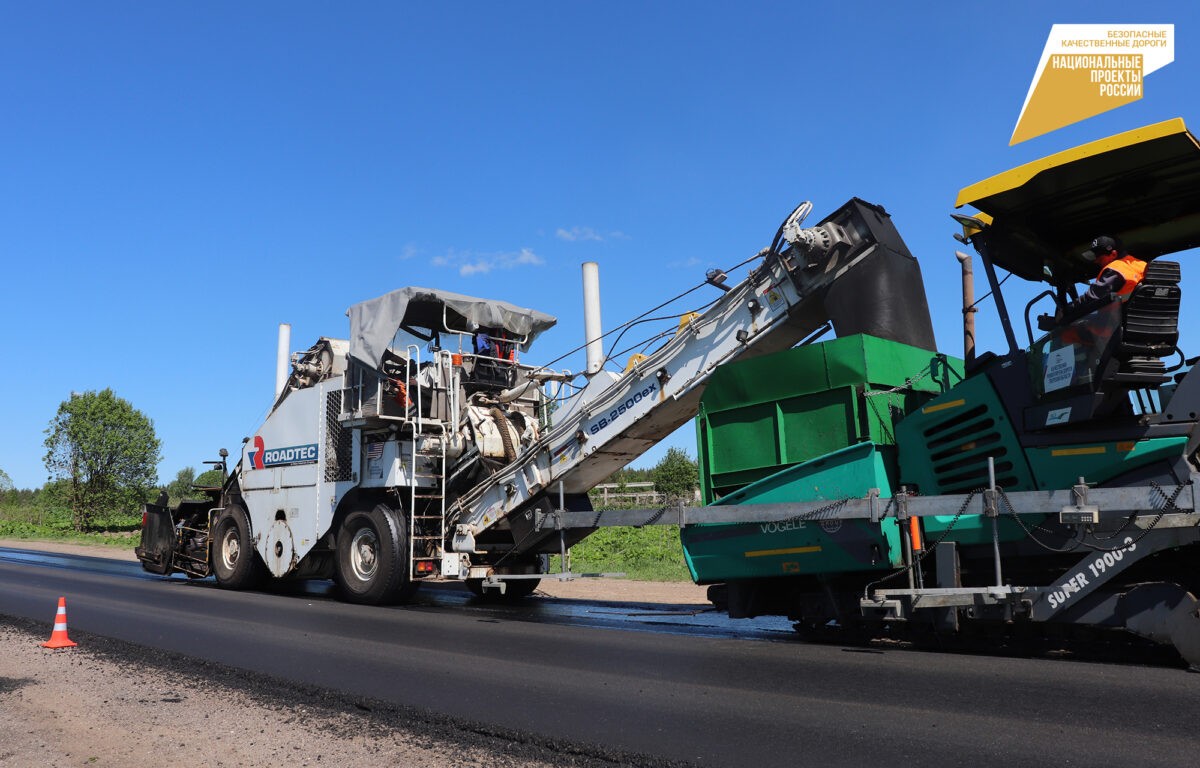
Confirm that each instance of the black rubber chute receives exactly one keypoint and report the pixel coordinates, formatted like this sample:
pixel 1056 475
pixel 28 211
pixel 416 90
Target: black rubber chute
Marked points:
pixel 886 299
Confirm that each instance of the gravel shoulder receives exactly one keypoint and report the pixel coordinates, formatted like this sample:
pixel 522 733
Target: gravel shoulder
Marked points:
pixel 110 703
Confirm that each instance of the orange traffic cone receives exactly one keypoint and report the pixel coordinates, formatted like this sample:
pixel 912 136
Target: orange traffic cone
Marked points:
pixel 58 638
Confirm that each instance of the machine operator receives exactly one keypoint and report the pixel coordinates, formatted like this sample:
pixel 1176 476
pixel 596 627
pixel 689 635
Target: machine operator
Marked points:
pixel 1119 274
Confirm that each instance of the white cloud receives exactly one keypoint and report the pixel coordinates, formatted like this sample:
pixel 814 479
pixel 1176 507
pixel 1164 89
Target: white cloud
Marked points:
pixel 475 268
pixel 408 251
pixel 584 234
pixel 470 263
pixel 577 234
pixel 527 256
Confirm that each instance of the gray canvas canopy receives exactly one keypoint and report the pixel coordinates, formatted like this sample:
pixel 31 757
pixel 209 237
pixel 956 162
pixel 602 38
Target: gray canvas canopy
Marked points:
pixel 373 323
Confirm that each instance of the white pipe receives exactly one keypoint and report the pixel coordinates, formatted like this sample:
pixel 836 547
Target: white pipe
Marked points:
pixel 283 357
pixel 508 395
pixel 591 317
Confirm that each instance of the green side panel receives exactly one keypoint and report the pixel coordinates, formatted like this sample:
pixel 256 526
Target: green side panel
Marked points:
pixel 1061 466
pixel 944 448
pixel 747 550
pixel 945 444
pixel 762 415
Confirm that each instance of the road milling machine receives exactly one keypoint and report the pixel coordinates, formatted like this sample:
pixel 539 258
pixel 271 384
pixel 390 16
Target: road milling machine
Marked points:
pixel 865 481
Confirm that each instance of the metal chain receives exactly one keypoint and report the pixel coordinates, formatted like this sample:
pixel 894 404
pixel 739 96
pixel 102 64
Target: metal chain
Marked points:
pixel 813 514
pixel 803 516
pixel 653 518
pixel 925 552
pixel 907 385
pixel 883 424
pixel 1167 506
pixel 954 521
pixel 1012 511
pixel 1128 521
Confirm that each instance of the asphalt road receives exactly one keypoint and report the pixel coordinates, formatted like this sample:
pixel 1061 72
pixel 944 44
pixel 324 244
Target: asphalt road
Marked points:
pixel 706 696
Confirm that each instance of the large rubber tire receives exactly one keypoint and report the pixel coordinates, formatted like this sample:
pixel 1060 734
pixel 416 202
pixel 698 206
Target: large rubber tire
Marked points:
pixel 235 564
pixel 372 557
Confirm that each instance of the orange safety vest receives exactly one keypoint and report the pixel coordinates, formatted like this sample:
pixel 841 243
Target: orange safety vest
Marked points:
pixel 1128 267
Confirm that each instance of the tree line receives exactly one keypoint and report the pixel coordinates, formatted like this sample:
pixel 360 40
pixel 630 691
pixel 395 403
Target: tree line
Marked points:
pixel 101 457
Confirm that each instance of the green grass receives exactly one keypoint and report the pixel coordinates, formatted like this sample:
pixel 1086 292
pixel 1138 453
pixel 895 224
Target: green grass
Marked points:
pixel 54 524
pixel 646 554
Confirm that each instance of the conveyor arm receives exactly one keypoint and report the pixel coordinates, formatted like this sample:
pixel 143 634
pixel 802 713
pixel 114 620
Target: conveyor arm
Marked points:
pixel 618 417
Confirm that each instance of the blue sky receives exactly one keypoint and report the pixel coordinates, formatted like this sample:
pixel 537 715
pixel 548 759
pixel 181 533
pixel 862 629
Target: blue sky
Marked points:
pixel 178 178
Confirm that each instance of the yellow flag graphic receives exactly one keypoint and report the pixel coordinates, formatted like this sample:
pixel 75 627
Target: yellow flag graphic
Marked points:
pixel 1087 69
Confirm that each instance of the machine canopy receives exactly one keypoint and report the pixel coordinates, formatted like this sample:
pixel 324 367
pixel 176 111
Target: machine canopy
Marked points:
pixel 374 323
pixel 1142 186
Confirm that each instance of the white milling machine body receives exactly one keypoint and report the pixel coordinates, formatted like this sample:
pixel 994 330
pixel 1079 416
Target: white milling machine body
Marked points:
pixel 421 448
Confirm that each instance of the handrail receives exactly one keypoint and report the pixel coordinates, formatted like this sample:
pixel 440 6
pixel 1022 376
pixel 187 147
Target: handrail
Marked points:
pixel 414 355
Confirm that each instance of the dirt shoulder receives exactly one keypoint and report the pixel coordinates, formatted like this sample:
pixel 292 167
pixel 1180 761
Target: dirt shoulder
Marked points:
pixel 108 703
pixel 609 589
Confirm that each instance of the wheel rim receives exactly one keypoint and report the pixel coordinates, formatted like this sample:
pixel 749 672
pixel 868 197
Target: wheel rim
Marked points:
pixel 231 548
pixel 364 554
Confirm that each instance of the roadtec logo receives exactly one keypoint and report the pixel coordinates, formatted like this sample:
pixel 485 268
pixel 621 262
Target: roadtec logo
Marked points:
pixel 261 457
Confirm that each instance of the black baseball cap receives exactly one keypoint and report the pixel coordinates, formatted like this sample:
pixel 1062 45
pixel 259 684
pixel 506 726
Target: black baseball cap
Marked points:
pixel 1102 246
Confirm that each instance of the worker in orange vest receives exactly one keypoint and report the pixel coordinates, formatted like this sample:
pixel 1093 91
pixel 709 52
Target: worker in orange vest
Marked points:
pixel 1119 272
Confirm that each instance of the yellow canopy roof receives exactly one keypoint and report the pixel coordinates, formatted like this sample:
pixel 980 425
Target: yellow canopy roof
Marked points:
pixel 1142 186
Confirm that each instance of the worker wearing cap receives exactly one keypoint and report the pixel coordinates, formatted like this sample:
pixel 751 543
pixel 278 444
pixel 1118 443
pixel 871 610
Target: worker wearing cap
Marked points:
pixel 1119 272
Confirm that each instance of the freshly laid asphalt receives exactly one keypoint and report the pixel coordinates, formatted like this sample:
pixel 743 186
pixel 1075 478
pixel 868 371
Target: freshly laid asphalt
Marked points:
pixel 566 675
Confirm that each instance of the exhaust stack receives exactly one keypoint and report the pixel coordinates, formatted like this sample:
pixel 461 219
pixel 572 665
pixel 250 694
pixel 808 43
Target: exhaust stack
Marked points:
pixel 591 317
pixel 283 357
pixel 968 294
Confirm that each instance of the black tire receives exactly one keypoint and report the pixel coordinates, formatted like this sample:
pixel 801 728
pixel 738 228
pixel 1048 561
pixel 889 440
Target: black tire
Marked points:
pixel 372 557
pixel 235 564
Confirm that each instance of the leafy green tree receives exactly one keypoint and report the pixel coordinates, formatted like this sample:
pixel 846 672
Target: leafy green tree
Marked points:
pixel 181 487
pixel 627 475
pixel 676 476
pixel 210 478
pixel 106 450
pixel 9 496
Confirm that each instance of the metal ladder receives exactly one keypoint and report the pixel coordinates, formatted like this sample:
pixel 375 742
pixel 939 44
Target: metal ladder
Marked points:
pixel 427 465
